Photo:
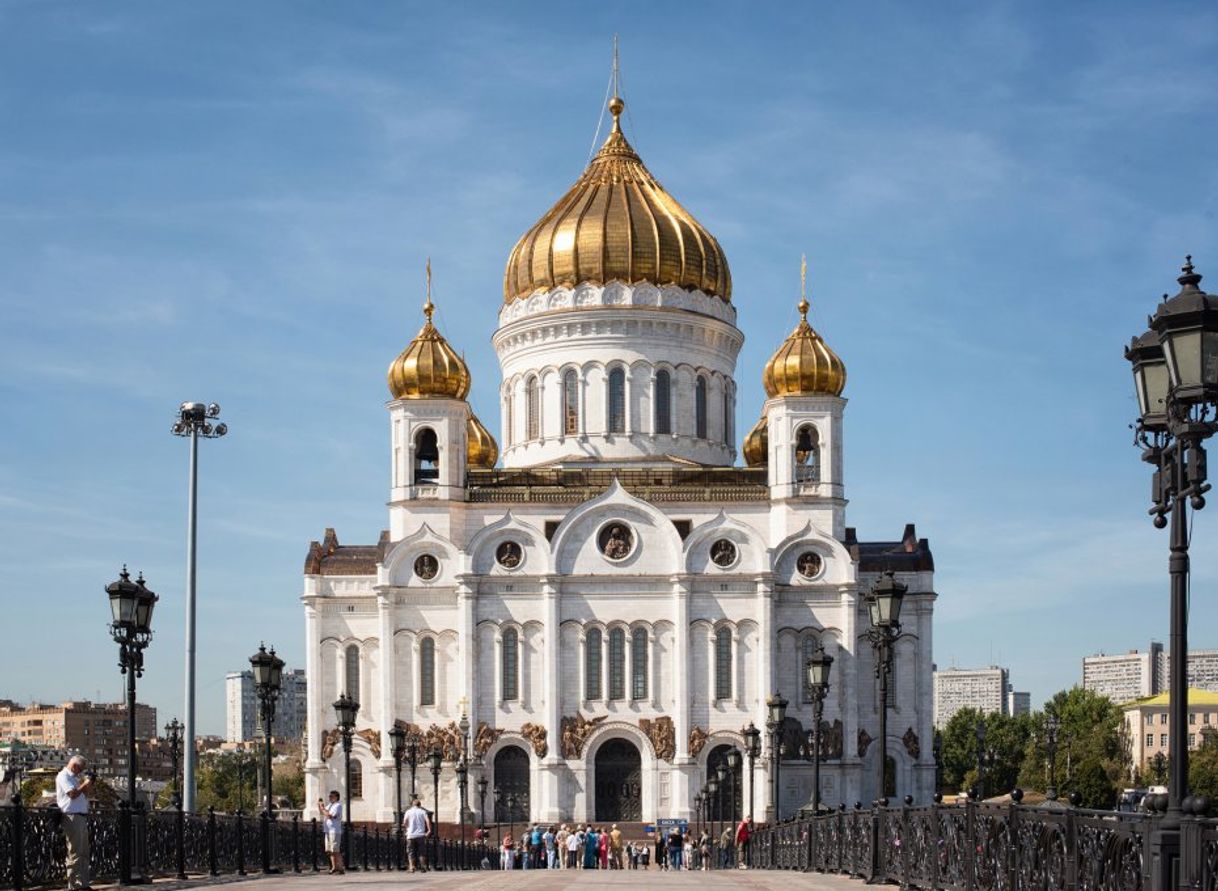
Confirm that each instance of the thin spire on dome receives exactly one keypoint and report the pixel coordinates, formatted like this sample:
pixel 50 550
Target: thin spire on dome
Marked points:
pixel 616 104
pixel 803 287
pixel 428 306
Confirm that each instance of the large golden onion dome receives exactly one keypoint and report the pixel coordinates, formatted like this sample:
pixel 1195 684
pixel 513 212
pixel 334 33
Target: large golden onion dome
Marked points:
pixel 481 450
pixel 757 444
pixel 429 367
pixel 804 365
pixel 617 223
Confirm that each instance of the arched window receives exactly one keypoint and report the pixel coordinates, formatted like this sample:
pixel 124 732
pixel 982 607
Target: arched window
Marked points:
pixel 426 455
pixel 663 402
pixel 723 664
pixel 509 432
pixel 638 664
pixel 357 781
pixel 807 454
pixel 592 664
pixel 427 671
pixel 531 408
pixel 617 401
pixel 729 421
pixel 809 651
pixel 570 403
pixel 700 408
pixel 511 665
pixel 352 671
pixel 617 664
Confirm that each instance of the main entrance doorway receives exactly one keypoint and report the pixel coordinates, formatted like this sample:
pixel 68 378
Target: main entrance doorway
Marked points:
pixel 512 785
pixel 619 782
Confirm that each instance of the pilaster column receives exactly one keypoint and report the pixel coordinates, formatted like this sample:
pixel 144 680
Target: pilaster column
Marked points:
pixel 712 660
pixel 766 650
pixel 653 670
pixel 466 645
pixel 316 720
pixel 737 668
pixel 684 766
pixel 548 808
pixel 385 611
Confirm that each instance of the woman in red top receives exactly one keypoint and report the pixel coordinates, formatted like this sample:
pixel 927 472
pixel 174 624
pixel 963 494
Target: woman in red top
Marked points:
pixel 508 852
pixel 742 844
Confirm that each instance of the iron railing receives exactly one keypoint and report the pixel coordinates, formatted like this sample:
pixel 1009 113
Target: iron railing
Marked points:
pixel 33 849
pixel 978 847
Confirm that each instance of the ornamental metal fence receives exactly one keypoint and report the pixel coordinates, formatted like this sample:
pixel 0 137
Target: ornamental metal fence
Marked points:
pixel 978 847
pixel 33 849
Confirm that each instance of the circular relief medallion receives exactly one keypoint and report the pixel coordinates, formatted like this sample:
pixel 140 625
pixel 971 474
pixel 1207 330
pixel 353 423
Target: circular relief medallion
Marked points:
pixel 509 554
pixel 426 566
pixel 723 553
pixel 616 541
pixel 809 564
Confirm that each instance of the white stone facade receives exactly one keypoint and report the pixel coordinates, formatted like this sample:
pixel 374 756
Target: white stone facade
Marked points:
pixel 492 591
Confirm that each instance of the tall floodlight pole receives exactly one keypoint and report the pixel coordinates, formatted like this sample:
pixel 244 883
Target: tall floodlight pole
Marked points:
pixel 194 420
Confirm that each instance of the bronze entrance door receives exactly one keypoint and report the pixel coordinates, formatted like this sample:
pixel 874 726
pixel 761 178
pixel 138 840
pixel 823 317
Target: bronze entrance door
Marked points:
pixel 511 785
pixel 619 782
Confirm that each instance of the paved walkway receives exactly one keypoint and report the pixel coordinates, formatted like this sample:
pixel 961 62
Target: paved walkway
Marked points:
pixel 761 880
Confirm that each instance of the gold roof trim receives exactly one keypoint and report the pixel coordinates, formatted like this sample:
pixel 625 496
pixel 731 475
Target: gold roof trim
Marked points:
pixel 429 367
pixel 617 223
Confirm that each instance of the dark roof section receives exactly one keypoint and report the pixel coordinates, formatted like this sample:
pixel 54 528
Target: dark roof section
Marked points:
pixel 328 557
pixel 910 554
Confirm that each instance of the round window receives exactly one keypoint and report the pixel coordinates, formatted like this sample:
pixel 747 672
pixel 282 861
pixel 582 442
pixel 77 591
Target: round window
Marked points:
pixel 509 554
pixel 616 541
pixel 723 553
pixel 426 567
pixel 809 564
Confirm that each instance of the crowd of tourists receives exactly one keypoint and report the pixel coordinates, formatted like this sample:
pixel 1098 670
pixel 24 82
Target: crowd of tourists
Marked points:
pixel 594 847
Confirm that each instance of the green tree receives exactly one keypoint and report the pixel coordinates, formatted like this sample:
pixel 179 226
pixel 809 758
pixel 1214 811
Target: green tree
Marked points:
pixel 289 781
pixel 1006 738
pixel 1203 769
pixel 1093 783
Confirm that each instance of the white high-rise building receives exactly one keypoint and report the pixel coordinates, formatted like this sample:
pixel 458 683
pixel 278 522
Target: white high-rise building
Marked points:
pixel 1126 677
pixel 1018 703
pixel 241 707
pixel 984 689
pixel 611 608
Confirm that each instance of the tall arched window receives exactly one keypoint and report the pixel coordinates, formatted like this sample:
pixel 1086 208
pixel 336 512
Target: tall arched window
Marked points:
pixel 663 402
pixel 700 408
pixel 351 675
pixel 809 651
pixel 570 402
pixel 807 454
pixel 427 671
pixel 617 664
pixel 617 401
pixel 511 665
pixel 723 663
pixel 357 781
pixel 426 455
pixel 592 664
pixel 531 409
pixel 509 432
pixel 638 664
pixel 729 422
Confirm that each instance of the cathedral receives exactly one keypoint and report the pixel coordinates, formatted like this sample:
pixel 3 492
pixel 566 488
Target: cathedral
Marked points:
pixel 604 600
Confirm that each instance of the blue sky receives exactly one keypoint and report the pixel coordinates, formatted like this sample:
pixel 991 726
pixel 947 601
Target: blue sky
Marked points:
pixel 233 202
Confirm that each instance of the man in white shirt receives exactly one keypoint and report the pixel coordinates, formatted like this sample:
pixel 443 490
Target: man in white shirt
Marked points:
pixel 72 796
pixel 417 824
pixel 332 823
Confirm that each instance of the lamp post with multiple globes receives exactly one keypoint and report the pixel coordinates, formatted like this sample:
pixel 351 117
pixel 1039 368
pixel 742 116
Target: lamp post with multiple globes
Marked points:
pixel 884 609
pixel 776 707
pixel 817 669
pixel 268 678
pixel 346 709
pixel 752 748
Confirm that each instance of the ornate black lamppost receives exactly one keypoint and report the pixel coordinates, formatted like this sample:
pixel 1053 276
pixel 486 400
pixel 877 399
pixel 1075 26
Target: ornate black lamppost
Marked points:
pixel 1175 371
pixel 462 786
pixel 1052 723
pixel 437 761
pixel 712 791
pixel 884 606
pixel 131 605
pixel 777 716
pixel 698 812
pixel 194 419
pixel 173 739
pixel 412 758
pixel 724 777
pixel 752 748
pixel 346 709
pixel 397 738
pixel 817 669
pixel 268 676
pixel 499 804
pixel 733 773
pixel 463 772
pixel 482 784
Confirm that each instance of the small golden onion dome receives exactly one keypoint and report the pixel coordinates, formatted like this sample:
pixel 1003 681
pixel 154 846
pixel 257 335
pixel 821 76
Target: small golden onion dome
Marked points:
pixel 429 367
pixel 481 450
pixel 617 223
pixel 757 444
pixel 804 365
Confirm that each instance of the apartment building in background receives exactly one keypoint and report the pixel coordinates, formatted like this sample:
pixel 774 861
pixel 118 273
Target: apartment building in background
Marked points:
pixel 98 731
pixel 242 723
pixel 984 689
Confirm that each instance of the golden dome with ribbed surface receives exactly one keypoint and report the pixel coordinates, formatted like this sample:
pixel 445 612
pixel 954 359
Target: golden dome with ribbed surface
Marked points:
pixel 804 365
pixel 617 223
pixel 429 367
pixel 481 450
pixel 757 444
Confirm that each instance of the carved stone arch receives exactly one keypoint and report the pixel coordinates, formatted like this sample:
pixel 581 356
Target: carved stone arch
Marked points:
pixel 656 547
pixel 536 556
pixel 752 554
pixel 839 567
pixel 715 739
pixel 398 567
pixel 618 730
